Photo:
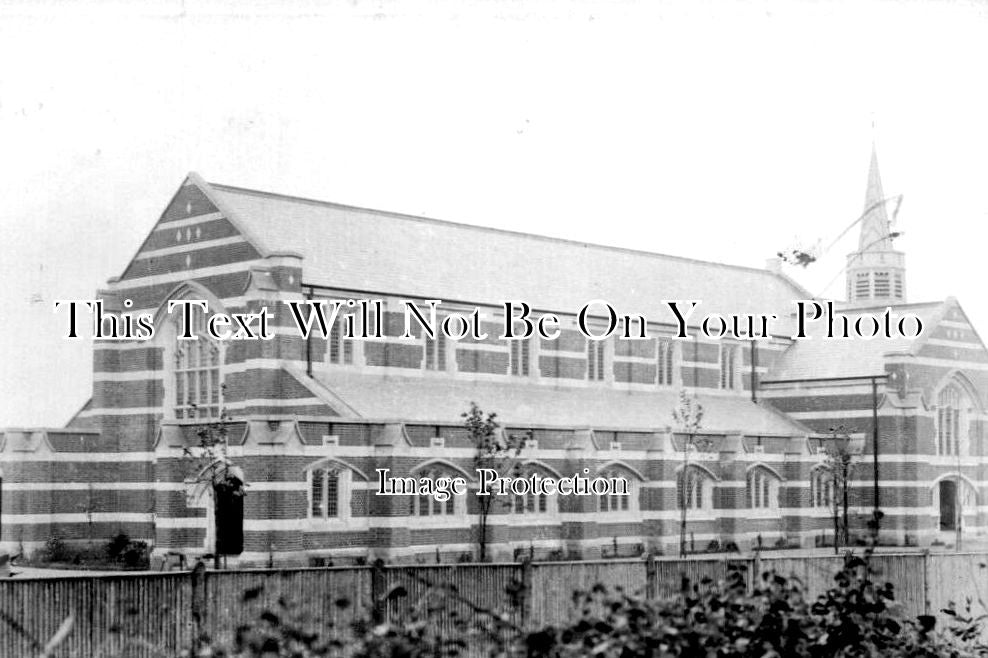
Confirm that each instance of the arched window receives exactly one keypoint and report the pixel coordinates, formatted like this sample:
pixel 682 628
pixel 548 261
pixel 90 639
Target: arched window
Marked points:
pixel 696 489
pixel 519 363
pixel 822 487
pixel 198 361
pixel 329 492
pixel 728 366
pixel 596 364
pixel 763 489
pixel 340 348
pixel 435 350
pixel 427 505
pixel 952 404
pixel 532 503
pixel 616 501
pixel 665 363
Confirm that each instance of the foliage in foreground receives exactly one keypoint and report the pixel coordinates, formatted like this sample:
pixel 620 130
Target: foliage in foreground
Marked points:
pixel 774 618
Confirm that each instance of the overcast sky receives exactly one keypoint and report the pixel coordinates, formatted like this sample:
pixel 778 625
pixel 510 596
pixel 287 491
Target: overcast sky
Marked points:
pixel 718 130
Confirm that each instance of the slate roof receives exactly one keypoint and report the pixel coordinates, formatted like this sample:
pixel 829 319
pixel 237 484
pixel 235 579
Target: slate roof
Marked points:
pixel 821 358
pixel 442 400
pixel 358 249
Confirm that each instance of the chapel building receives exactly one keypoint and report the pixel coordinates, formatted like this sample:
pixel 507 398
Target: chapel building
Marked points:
pixel 307 423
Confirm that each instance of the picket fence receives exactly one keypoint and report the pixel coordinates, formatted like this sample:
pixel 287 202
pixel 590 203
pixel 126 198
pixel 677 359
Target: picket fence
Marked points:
pixel 159 614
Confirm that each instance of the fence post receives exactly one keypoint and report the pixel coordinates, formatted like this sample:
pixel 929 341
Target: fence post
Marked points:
pixel 651 576
pixel 526 592
pixel 199 608
pixel 926 581
pixel 756 576
pixel 378 595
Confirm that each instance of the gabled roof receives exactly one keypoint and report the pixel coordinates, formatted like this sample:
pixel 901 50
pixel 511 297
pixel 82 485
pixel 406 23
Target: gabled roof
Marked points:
pixel 376 252
pixel 821 358
pixel 442 400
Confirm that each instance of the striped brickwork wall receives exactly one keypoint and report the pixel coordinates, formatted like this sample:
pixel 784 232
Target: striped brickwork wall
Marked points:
pixel 910 465
pixel 120 466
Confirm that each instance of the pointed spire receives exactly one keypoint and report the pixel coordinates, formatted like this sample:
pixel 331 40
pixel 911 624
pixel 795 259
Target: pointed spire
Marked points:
pixel 876 272
pixel 875 225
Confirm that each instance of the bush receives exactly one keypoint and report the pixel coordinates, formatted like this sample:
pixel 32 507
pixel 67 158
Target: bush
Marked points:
pixel 56 550
pixel 123 550
pixel 772 617
pixel 856 617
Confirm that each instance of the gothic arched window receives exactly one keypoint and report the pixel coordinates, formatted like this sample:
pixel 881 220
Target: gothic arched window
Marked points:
pixel 616 501
pixel 696 489
pixel 198 361
pixel 532 503
pixel 951 421
pixel 329 492
pixel 763 489
pixel 728 366
pixel 665 363
pixel 427 505
pixel 821 487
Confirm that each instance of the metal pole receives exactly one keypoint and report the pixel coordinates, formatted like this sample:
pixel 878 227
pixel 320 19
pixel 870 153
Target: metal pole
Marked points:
pixel 834 504
pixel 874 435
pixel 845 466
pixel 754 372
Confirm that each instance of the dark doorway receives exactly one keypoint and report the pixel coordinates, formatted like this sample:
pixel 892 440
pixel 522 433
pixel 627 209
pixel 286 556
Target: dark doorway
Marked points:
pixel 229 520
pixel 948 505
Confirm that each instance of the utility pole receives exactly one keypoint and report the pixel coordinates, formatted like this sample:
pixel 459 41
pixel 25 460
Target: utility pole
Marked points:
pixel 874 443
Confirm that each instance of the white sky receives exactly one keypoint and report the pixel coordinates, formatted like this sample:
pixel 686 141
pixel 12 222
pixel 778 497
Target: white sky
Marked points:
pixel 717 130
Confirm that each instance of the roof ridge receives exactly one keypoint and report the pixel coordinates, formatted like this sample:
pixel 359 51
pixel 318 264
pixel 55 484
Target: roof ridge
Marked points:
pixel 232 188
pixel 892 306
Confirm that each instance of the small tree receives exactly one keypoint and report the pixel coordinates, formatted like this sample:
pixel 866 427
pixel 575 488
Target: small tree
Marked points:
pixel 211 468
pixel 494 450
pixel 688 415
pixel 838 462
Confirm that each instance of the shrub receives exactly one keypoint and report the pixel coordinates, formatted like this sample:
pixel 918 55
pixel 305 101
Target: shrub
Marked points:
pixel 56 550
pixel 772 617
pixel 856 617
pixel 121 549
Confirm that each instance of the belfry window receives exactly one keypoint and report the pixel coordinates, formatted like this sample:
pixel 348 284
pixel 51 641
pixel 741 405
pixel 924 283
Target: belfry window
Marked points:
pixel 198 383
pixel 862 285
pixel 882 285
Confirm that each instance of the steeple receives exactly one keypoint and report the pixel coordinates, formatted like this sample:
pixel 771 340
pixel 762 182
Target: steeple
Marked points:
pixel 876 272
pixel 874 226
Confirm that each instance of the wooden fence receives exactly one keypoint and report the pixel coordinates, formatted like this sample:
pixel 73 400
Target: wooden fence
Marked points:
pixel 158 614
